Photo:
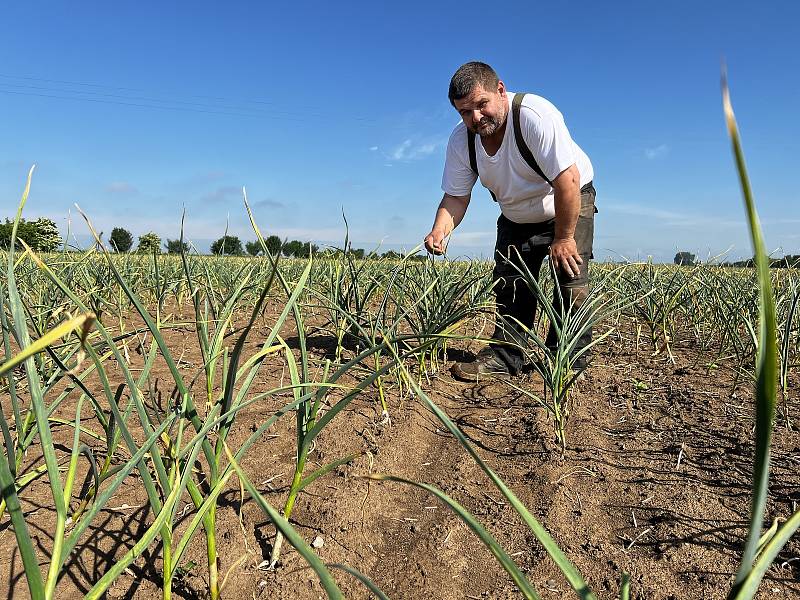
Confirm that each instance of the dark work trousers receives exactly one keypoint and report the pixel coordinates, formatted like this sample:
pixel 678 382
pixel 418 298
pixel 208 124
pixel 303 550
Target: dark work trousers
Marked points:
pixel 514 299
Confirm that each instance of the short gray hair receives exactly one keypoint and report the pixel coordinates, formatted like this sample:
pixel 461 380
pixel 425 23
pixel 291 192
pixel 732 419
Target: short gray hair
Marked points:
pixel 469 74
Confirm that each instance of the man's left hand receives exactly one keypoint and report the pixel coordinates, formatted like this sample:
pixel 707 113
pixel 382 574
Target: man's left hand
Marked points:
pixel 564 255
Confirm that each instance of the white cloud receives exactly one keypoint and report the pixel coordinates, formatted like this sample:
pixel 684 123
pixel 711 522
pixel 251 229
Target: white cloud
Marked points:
pixel 120 187
pixel 14 164
pixel 373 148
pixel 411 149
pixel 780 221
pixel 657 152
pixel 473 238
pixel 669 218
pixel 268 203
pixel 223 194
pixel 400 152
pixel 395 223
pixel 311 234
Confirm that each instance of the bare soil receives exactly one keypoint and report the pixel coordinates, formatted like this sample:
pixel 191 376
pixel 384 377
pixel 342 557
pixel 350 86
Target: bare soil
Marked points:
pixel 655 482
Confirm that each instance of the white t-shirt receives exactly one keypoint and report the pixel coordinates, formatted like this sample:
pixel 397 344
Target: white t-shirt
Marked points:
pixel 523 196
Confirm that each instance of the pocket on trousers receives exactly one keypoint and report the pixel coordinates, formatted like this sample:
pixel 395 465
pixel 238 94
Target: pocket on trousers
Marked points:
pixel 588 208
pixel 584 229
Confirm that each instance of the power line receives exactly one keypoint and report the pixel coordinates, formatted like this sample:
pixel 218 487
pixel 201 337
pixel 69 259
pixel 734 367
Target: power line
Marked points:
pixel 127 100
pixel 95 95
pixel 139 105
pixel 114 87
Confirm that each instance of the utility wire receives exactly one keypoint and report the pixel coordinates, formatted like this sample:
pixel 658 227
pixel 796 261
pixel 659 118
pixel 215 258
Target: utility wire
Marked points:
pixel 129 89
pixel 139 105
pixel 130 99
pixel 147 101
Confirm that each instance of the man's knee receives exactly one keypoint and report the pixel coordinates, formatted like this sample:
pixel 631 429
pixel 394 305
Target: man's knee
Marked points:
pixel 511 272
pixel 572 296
pixel 565 280
pixel 577 294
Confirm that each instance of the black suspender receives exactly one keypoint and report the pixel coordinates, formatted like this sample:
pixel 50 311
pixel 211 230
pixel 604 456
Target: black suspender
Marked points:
pixel 523 147
pixel 473 159
pixel 526 153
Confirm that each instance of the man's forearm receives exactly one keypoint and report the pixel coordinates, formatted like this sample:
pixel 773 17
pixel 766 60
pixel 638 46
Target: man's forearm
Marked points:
pixel 450 213
pixel 567 201
pixel 568 208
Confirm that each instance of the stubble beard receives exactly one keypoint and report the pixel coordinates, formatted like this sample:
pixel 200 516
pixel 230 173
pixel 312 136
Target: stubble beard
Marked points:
pixel 492 124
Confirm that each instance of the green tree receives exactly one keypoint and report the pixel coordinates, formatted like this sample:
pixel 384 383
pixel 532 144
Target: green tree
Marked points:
pixel 47 237
pixel 685 258
pixel 274 245
pixel 293 248
pixel 227 244
pixel 121 239
pixel 253 248
pixel 299 249
pixel 149 243
pixel 25 231
pixel 41 235
pixel 176 246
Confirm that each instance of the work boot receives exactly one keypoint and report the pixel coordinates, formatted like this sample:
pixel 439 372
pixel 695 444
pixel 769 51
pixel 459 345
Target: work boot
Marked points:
pixel 486 364
pixel 579 364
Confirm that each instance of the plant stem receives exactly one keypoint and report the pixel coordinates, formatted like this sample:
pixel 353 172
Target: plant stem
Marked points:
pixel 167 569
pixel 287 509
pixel 211 552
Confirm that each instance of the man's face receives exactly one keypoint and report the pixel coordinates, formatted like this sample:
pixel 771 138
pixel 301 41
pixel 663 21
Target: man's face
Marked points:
pixel 484 111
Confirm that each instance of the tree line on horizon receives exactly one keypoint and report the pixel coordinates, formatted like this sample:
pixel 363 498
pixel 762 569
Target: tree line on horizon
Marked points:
pixel 121 240
pixel 42 236
pixel 790 260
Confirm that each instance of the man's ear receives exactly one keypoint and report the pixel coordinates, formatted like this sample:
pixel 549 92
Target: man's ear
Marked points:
pixel 501 89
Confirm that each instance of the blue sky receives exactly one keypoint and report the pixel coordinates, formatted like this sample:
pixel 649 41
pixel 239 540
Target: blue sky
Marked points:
pixel 137 110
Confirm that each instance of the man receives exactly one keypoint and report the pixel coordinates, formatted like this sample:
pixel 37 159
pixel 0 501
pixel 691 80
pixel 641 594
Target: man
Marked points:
pixel 542 181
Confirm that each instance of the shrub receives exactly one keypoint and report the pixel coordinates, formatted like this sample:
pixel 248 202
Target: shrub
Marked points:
pixel 228 244
pixel 299 249
pixel 149 243
pixel 685 258
pixel 274 245
pixel 121 239
pixel 253 248
pixel 176 246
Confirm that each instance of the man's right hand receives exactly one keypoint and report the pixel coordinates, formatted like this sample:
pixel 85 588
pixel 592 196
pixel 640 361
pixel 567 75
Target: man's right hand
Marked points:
pixel 434 242
pixel 449 214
